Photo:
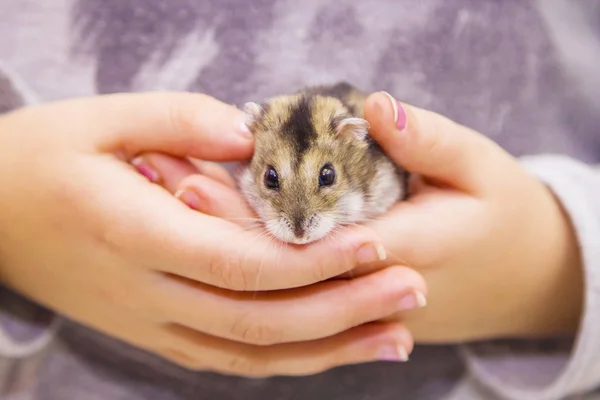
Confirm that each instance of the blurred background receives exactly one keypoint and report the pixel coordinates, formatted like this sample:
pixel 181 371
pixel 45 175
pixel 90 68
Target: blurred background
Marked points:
pixel 525 73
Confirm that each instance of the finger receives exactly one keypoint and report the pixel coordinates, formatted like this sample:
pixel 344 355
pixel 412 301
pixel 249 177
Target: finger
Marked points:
pixel 302 314
pixel 367 343
pixel 431 145
pixel 238 259
pixel 214 198
pixel 215 171
pixel 180 124
pixel 169 171
pixel 163 234
pixel 429 241
pixel 165 170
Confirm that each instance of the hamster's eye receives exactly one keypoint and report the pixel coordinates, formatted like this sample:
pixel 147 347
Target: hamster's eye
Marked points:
pixel 327 175
pixel 271 178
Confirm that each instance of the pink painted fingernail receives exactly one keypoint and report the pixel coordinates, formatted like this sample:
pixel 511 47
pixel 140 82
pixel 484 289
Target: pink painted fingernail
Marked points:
pixel 145 169
pixel 399 112
pixel 392 353
pixel 412 301
pixel 189 198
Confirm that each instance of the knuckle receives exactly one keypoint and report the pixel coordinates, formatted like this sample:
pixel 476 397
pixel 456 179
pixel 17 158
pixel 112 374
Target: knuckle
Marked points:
pixel 114 294
pixel 182 120
pixel 434 142
pixel 319 271
pixel 181 359
pixel 250 330
pixel 123 294
pixel 247 366
pixel 227 270
pixel 119 237
pixel 335 263
pixel 178 116
pixel 351 315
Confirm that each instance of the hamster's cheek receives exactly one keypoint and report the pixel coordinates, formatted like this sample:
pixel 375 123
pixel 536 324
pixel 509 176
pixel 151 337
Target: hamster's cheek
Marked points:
pixel 351 207
pixel 279 229
pixel 245 179
pixel 267 209
pixel 324 225
pixel 250 191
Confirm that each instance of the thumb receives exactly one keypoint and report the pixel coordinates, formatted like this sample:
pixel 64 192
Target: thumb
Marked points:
pixel 431 145
pixel 178 124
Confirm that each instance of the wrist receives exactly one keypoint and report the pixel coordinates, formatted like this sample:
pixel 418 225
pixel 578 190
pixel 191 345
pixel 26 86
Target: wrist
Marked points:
pixel 554 304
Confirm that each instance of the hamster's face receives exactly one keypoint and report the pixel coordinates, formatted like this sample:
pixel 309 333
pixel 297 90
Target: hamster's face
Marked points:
pixel 303 180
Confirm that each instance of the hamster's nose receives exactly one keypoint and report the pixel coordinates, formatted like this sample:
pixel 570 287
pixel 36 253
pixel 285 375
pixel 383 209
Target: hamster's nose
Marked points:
pixel 299 231
pixel 298 223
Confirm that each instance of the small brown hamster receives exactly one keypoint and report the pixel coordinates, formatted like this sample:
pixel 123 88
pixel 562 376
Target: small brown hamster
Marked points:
pixel 315 168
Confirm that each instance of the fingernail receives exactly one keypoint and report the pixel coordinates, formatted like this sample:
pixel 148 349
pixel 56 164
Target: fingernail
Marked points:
pixel 243 129
pixel 392 353
pixel 145 169
pixel 411 301
pixel 370 252
pixel 190 198
pixel 402 353
pixel 399 112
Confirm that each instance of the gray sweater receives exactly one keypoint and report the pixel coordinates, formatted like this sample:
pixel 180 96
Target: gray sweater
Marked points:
pixel 522 72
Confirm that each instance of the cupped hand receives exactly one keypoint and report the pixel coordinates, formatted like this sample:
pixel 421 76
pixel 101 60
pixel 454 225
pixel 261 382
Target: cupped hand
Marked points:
pixel 86 235
pixel 495 247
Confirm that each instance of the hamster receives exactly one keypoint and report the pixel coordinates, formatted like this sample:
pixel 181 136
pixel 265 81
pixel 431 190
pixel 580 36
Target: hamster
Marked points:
pixel 315 168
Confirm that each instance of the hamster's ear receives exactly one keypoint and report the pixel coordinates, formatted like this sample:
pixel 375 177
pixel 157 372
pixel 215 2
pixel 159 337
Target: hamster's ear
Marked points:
pixel 357 127
pixel 253 112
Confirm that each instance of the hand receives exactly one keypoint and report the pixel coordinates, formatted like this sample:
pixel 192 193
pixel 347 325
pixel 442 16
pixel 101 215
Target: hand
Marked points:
pixel 84 234
pixel 495 247
pixel 493 243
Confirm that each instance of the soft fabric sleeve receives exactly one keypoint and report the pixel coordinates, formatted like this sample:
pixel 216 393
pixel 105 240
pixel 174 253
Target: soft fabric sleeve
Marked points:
pixel 25 327
pixel 542 371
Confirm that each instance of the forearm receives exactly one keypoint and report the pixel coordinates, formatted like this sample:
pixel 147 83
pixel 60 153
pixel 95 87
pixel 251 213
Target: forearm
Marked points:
pixel 554 301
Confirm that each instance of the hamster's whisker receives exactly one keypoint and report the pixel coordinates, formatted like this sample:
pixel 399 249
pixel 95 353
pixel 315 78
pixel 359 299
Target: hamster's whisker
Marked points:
pixel 399 259
pixel 281 248
pixel 241 219
pixel 379 184
pixel 269 241
pixel 334 235
pixel 251 227
pixel 371 219
pixel 285 246
pixel 251 222
pixel 256 238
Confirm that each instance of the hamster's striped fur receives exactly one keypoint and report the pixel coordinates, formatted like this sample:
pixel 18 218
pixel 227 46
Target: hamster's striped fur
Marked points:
pixel 304 139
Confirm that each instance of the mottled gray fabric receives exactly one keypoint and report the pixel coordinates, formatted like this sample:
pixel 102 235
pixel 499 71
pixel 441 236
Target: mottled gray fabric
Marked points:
pixel 521 72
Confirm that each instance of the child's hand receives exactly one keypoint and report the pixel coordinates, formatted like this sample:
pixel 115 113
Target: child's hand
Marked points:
pixel 492 242
pixel 498 253
pixel 84 234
